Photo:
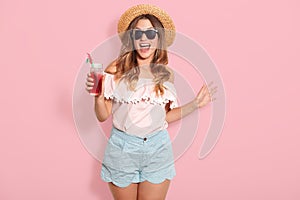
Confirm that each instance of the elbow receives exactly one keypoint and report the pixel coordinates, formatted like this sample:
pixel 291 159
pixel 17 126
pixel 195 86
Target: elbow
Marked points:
pixel 169 120
pixel 102 116
pixel 169 117
pixel 102 119
pixel 173 115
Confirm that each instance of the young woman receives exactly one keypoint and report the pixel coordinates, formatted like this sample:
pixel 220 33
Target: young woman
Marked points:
pixel 139 93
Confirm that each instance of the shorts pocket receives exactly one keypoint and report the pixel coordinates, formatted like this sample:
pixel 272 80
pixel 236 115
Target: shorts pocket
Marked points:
pixel 165 139
pixel 113 152
pixel 117 141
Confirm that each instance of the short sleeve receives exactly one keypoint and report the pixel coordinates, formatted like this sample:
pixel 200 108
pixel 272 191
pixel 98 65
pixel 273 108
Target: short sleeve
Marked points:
pixel 109 86
pixel 170 94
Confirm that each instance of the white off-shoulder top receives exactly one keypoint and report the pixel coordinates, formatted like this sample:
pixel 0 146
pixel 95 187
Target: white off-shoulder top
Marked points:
pixel 139 112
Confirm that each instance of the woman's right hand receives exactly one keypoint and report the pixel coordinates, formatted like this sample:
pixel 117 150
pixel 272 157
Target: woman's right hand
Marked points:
pixel 90 83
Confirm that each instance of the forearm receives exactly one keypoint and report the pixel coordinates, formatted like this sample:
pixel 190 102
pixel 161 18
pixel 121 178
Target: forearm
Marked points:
pixel 180 112
pixel 101 109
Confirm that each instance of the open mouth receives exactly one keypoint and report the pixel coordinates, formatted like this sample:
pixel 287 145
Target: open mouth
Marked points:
pixel 144 47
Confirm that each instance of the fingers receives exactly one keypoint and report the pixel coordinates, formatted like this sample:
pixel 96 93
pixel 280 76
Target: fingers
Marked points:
pixel 89 82
pixel 210 84
pixel 212 91
pixel 202 91
pixel 212 88
pixel 207 92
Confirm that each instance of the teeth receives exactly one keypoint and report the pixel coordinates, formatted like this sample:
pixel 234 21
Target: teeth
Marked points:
pixel 143 45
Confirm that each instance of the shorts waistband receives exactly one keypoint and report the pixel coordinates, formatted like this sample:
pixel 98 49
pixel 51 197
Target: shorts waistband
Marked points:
pixel 134 138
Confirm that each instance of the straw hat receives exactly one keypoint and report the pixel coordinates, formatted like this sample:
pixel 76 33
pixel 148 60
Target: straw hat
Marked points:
pixel 142 9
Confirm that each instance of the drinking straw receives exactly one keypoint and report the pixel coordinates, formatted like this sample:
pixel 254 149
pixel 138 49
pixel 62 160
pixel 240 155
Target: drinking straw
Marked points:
pixel 89 59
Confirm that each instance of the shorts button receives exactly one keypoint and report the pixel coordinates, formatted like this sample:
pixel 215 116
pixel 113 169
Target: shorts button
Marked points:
pixel 145 139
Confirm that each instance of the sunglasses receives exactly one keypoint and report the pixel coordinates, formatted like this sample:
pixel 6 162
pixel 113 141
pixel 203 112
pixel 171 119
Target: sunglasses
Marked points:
pixel 150 34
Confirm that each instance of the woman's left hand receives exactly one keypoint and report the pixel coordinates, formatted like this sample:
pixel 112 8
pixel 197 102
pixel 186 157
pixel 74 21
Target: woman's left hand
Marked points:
pixel 205 95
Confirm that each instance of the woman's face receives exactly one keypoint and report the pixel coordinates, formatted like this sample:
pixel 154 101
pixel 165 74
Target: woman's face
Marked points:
pixel 145 39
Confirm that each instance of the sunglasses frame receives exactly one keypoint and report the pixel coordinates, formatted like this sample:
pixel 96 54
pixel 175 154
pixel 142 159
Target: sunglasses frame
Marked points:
pixel 143 32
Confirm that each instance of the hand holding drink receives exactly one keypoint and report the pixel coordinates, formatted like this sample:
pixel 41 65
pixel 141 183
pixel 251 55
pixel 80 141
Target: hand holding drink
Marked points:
pixel 95 78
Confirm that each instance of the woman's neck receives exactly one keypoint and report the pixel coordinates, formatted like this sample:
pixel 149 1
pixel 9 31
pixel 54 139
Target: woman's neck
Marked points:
pixel 144 61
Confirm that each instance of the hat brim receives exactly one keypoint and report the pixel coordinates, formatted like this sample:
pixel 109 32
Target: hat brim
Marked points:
pixel 142 9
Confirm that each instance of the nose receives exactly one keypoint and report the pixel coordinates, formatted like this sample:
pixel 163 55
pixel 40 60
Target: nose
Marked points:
pixel 144 37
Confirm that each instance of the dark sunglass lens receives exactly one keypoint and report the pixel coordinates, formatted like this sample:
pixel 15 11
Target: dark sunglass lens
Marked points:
pixel 138 34
pixel 150 34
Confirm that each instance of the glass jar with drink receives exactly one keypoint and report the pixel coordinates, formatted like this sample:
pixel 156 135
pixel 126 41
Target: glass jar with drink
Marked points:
pixel 97 75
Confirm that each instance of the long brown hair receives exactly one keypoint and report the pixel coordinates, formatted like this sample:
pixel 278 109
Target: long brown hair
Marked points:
pixel 126 64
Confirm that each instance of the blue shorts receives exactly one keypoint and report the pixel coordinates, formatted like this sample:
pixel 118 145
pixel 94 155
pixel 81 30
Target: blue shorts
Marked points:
pixel 132 159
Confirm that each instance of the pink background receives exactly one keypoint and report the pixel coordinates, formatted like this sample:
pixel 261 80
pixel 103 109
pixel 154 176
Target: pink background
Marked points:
pixel 255 45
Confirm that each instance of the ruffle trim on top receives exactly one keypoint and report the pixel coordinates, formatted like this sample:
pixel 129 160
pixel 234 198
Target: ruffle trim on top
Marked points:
pixel 143 92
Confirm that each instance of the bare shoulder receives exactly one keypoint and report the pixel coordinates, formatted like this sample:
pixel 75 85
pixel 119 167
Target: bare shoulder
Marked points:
pixel 111 68
pixel 171 79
